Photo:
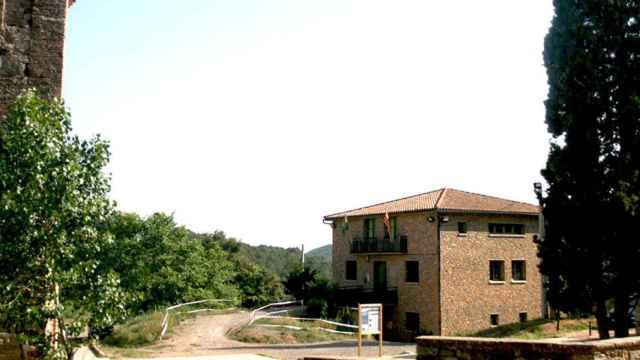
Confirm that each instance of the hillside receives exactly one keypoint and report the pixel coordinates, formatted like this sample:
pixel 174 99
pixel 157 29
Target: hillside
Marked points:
pixel 319 259
pixel 322 251
pixel 277 260
pixel 273 258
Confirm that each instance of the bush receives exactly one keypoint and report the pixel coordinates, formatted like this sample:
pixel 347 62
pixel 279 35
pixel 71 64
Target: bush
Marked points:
pixel 141 330
pixel 317 308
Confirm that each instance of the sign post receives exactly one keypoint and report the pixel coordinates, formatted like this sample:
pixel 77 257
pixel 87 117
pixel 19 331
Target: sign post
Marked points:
pixel 370 323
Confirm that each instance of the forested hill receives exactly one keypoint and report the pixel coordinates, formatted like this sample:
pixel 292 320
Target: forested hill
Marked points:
pixel 319 259
pixel 322 252
pixel 277 260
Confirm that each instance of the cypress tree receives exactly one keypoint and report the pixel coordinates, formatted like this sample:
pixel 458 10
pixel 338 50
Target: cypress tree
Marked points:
pixel 592 55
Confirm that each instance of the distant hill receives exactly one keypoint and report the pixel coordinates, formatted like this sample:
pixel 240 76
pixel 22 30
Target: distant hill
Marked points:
pixel 276 259
pixel 322 251
pixel 320 259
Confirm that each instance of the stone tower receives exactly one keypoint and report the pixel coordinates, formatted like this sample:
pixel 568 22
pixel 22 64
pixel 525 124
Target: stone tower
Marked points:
pixel 32 36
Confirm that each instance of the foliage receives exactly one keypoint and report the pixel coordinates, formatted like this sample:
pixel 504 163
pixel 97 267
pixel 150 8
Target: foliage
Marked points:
pixel 317 292
pixel 53 206
pixel 257 286
pixel 161 264
pixel 324 252
pixel 592 55
pixel 299 281
pixel 317 308
pixel 320 264
pixel 138 331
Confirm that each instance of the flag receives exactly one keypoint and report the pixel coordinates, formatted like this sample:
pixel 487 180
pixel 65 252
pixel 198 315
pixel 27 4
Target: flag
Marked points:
pixel 387 223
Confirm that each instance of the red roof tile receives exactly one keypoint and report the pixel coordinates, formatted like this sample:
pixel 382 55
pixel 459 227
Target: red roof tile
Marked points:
pixel 446 200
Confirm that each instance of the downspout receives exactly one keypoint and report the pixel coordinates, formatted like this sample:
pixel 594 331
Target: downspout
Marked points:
pixel 439 274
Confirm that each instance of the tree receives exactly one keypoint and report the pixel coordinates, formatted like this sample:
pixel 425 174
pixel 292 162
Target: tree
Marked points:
pixel 257 286
pixel 592 55
pixel 53 207
pixel 161 263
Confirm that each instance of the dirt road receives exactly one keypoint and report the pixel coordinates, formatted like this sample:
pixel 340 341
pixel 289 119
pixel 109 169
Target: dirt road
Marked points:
pixel 205 335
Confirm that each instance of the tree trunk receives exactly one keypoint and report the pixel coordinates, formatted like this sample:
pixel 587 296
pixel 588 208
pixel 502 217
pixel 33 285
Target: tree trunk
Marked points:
pixel 621 314
pixel 601 318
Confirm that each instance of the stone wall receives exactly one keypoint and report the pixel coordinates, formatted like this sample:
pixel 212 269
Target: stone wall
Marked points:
pixel 421 297
pixel 32 36
pixel 9 348
pixel 469 298
pixel 452 348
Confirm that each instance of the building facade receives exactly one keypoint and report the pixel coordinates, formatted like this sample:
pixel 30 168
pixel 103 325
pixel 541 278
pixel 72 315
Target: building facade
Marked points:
pixel 446 262
pixel 32 34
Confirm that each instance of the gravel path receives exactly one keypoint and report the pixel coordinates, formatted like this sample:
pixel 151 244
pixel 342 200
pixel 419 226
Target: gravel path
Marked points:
pixel 205 336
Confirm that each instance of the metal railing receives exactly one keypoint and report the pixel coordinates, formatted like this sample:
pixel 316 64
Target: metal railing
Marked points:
pixel 375 245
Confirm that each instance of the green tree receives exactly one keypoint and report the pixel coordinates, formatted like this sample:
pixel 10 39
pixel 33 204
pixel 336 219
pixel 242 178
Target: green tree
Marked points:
pixel 161 263
pixel 592 55
pixel 53 207
pixel 257 286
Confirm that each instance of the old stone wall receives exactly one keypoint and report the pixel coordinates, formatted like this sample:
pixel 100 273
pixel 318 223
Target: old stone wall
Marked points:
pixel 469 298
pixel 451 348
pixel 9 348
pixel 32 36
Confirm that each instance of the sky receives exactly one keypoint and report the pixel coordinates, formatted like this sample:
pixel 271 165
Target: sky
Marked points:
pixel 259 117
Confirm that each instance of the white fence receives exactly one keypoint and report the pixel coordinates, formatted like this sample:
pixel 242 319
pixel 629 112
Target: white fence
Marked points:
pixel 165 320
pixel 255 315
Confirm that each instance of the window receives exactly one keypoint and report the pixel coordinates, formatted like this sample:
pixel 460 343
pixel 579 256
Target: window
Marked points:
pixel 523 317
pixel 412 322
pixel 496 270
pixel 506 229
pixel 351 272
pixel 369 228
pixel 519 270
pixel 495 320
pixel 393 224
pixel 462 228
pixel 412 271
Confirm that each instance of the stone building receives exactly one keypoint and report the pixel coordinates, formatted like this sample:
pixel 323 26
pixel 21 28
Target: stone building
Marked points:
pixel 445 262
pixel 32 36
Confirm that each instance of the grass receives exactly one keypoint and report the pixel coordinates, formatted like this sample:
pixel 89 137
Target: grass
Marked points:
pixel 536 329
pixel 145 329
pixel 308 334
pixel 139 331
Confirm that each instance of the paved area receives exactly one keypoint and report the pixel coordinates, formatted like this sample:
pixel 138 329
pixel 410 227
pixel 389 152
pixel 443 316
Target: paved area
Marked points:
pixel 204 338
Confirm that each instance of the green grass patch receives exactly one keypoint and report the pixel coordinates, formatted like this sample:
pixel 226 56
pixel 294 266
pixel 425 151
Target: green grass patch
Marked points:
pixel 536 329
pixel 276 335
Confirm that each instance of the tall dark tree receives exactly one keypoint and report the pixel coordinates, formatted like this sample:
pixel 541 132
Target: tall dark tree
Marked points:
pixel 592 55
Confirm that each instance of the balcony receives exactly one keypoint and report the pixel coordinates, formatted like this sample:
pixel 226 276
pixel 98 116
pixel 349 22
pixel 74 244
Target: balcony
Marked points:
pixel 354 295
pixel 375 245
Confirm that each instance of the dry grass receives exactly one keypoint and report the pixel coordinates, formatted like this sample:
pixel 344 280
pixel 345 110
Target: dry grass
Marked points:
pixel 308 333
pixel 536 329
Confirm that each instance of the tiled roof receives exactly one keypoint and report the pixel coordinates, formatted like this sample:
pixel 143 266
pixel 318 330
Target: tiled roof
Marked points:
pixel 446 200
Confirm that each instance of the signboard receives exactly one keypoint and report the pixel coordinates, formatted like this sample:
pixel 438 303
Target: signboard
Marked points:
pixel 370 323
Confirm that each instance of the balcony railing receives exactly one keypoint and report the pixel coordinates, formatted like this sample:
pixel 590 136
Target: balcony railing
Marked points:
pixel 375 245
pixel 351 296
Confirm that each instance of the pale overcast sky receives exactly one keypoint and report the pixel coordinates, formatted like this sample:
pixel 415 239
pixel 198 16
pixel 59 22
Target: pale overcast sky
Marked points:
pixel 259 117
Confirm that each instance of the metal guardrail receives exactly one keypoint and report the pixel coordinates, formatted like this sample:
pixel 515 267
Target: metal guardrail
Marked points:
pixel 253 316
pixel 165 320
